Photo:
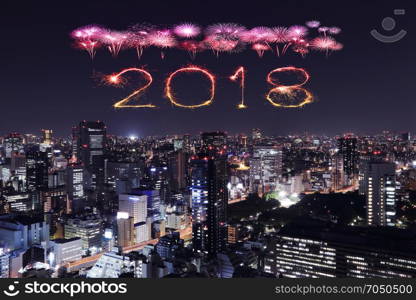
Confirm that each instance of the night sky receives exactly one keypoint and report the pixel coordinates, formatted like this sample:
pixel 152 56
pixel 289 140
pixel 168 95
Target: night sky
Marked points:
pixel 46 83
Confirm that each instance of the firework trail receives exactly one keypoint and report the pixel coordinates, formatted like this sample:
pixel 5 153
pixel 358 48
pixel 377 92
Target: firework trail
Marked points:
pixel 281 36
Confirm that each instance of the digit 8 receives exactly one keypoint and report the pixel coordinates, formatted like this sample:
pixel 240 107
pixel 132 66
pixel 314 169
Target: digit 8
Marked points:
pixel 290 93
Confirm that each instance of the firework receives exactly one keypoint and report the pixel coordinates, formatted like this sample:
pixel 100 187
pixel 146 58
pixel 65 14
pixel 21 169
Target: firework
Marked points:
pixel 115 41
pixel 220 44
pixel 281 36
pixel 162 39
pixel 323 30
pixel 313 24
pixel 337 47
pixel 221 37
pixel 139 38
pixel 170 95
pixel 259 35
pixel 334 30
pixel 297 31
pixel 326 44
pixel 260 48
pixel 192 47
pixel 88 38
pixel 118 80
pixel 187 30
pixel 228 30
pixel 240 73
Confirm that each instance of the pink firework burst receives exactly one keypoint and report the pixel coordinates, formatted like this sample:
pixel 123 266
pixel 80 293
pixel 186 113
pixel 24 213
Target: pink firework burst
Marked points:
pixel 229 30
pixel 221 44
pixel 297 31
pixel 192 47
pixel 87 33
pixel 326 44
pixel 337 47
pixel 323 43
pixel 334 30
pixel 259 35
pixel 162 39
pixel 115 41
pixel 87 38
pixel 313 24
pixel 139 37
pixel 281 36
pixel 187 30
pixel 323 29
pixel 260 48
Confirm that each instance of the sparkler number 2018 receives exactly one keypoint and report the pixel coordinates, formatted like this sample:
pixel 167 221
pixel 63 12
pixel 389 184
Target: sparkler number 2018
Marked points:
pixel 283 94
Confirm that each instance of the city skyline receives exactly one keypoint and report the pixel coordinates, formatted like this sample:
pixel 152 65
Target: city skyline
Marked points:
pixel 349 86
pixel 207 140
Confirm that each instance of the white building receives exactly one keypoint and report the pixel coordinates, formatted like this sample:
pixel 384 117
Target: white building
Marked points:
pixel 65 250
pixel 265 168
pixel 142 232
pixel 176 220
pixel 134 205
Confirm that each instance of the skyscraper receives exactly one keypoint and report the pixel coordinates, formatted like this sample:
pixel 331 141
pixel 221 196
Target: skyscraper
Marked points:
pixel 209 204
pixel 379 184
pixel 91 149
pixel 265 168
pixel 135 206
pixel 347 147
pixel 125 229
pixel 75 186
pixel 13 143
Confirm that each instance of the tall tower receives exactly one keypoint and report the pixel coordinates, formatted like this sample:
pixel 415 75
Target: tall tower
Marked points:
pixel 347 147
pixel 265 168
pixel 379 184
pixel 209 177
pixel 91 150
pixel 134 205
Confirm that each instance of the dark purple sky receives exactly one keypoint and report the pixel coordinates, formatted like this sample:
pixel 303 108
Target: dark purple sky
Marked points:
pixel 45 83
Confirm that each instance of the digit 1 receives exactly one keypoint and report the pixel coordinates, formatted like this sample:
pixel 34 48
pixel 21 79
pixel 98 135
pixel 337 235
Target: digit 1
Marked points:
pixel 240 73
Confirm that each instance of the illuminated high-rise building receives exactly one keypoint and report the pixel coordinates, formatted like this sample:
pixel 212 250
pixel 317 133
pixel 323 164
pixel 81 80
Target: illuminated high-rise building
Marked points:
pixel 265 168
pixel 213 142
pixel 134 205
pixel 311 249
pixel 13 143
pixel 47 136
pixel 37 164
pixel 125 229
pixel 91 150
pixel 379 186
pixel 75 186
pixel 347 147
pixel 209 204
pixel 177 170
